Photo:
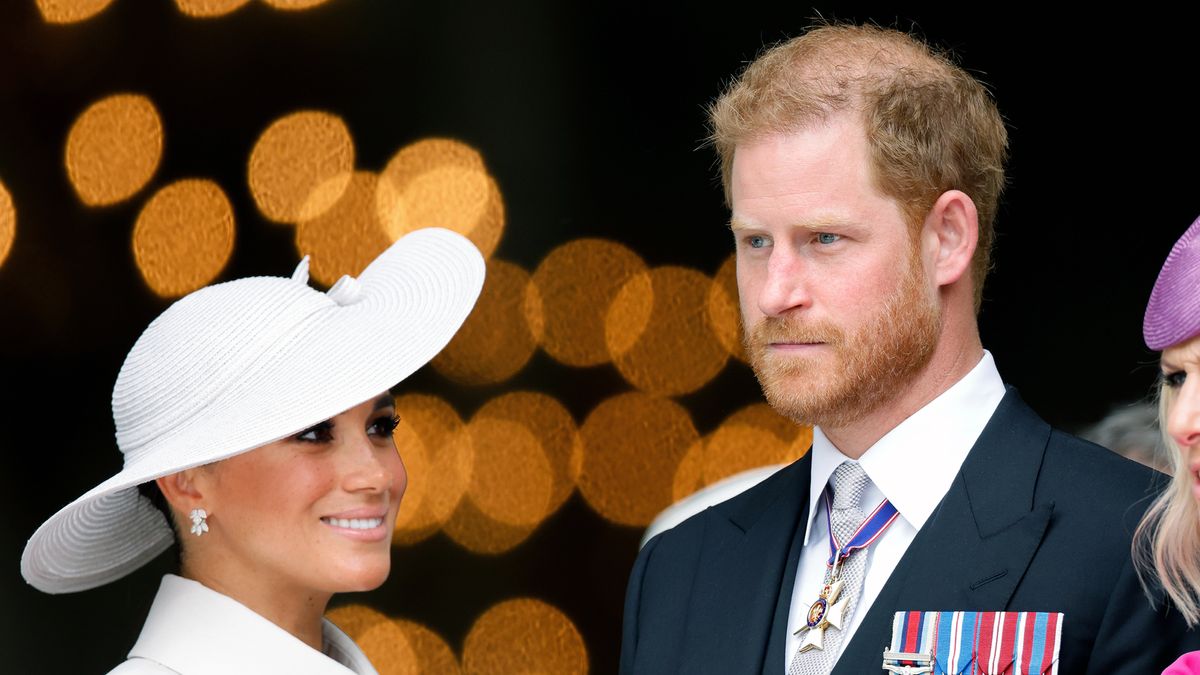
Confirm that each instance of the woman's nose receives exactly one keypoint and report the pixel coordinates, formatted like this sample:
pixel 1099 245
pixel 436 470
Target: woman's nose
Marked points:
pixel 370 468
pixel 1183 419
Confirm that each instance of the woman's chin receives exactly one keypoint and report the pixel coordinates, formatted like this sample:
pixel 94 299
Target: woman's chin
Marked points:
pixel 365 577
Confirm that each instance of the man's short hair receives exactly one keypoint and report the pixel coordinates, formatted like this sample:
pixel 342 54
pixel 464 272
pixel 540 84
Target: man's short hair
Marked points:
pixel 931 126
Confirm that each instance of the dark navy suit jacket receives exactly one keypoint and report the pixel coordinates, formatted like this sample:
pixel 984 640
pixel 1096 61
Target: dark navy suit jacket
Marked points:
pixel 1036 520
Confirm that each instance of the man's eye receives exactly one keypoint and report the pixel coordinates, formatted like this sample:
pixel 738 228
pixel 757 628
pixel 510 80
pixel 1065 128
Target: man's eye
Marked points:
pixel 756 241
pixel 827 237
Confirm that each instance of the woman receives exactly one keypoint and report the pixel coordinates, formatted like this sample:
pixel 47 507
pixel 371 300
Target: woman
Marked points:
pixel 256 413
pixel 1167 542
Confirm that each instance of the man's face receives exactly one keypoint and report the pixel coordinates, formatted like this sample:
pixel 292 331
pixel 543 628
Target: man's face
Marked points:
pixel 839 311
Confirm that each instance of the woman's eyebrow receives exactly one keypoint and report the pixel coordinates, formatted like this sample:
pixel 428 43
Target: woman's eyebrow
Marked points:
pixel 385 401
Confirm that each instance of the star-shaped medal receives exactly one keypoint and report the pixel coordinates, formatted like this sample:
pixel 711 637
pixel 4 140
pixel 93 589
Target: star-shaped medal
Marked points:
pixel 827 611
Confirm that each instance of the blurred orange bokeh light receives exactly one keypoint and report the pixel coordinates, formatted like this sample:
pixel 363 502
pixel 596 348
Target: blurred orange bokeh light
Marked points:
pixel 632 446
pixel 70 11
pixel 439 182
pixel 577 282
pixel 524 636
pixel 205 9
pixel 114 148
pixel 300 166
pixel 183 237
pixel 659 333
pixel 8 223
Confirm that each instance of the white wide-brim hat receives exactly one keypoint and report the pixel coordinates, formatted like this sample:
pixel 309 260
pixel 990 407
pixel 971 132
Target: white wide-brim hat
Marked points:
pixel 237 365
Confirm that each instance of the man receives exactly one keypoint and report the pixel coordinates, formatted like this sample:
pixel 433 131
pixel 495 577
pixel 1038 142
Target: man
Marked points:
pixel 863 173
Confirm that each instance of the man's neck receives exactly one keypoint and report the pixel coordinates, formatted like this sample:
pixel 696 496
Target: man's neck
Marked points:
pixel 943 371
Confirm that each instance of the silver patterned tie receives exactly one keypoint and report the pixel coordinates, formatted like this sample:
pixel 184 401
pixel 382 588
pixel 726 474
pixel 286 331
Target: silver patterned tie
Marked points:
pixel 849 482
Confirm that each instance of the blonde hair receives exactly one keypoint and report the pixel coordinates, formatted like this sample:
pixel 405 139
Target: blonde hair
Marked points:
pixel 931 126
pixel 1166 544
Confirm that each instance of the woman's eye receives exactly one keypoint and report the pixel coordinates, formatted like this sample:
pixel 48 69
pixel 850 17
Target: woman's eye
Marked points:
pixel 317 433
pixel 827 237
pixel 1175 379
pixel 385 426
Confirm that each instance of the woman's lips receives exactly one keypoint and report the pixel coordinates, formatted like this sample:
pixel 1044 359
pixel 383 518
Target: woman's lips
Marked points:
pixel 360 524
pixel 354 523
pixel 359 529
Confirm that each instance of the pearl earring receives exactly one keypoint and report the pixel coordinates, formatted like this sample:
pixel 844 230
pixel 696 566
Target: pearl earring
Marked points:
pixel 199 521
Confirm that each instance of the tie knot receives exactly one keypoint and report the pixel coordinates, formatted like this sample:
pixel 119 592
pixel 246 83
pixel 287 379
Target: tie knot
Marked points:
pixel 849 481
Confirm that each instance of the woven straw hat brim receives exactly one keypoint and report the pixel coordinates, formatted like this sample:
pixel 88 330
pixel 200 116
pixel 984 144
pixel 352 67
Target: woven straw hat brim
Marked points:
pixel 1173 313
pixel 412 300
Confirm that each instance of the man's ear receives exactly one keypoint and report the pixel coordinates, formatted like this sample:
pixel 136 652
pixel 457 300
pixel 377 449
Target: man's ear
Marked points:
pixel 953 227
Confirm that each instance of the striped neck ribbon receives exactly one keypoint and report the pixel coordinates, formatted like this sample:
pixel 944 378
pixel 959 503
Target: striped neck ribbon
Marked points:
pixel 871 528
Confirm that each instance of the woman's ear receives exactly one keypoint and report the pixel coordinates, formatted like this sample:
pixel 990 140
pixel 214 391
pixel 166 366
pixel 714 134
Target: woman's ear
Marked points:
pixel 182 491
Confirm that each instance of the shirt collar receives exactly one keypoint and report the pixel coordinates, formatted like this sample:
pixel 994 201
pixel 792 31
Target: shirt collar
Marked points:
pixel 914 464
pixel 196 629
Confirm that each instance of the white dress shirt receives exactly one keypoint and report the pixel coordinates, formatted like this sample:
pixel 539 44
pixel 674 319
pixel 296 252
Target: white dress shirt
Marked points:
pixel 913 466
pixel 194 630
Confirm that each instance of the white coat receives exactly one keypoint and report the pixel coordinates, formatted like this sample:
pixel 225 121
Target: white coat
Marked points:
pixel 194 630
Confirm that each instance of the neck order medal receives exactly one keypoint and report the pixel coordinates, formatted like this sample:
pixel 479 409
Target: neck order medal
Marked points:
pixel 831 609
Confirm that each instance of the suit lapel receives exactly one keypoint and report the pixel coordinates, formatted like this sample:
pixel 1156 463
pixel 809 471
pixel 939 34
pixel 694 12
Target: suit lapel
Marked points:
pixel 736 590
pixel 974 549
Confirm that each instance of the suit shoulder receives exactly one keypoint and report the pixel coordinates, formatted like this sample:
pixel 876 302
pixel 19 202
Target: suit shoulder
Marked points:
pixel 738 505
pixel 1097 463
pixel 1097 474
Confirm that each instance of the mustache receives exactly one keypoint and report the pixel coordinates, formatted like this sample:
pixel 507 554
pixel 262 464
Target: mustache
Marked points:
pixel 791 329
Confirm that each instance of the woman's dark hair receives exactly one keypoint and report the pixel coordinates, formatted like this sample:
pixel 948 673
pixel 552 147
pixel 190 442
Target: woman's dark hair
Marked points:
pixel 150 491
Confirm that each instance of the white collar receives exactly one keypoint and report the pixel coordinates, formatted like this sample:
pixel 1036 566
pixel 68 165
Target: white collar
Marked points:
pixel 914 464
pixel 198 631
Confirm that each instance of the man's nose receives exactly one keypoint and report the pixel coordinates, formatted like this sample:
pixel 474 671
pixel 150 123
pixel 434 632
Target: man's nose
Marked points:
pixel 785 287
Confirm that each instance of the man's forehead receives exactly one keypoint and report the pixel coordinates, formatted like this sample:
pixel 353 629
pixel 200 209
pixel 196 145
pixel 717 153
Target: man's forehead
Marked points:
pixel 813 158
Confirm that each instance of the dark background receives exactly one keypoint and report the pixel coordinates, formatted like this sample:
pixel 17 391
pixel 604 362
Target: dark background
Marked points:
pixel 589 116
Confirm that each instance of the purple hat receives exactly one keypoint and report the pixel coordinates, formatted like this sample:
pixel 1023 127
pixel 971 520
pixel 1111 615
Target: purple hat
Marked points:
pixel 1173 315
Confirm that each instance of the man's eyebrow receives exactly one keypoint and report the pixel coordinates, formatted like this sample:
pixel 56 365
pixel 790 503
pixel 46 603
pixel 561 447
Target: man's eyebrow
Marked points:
pixel 738 224
pixel 815 225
